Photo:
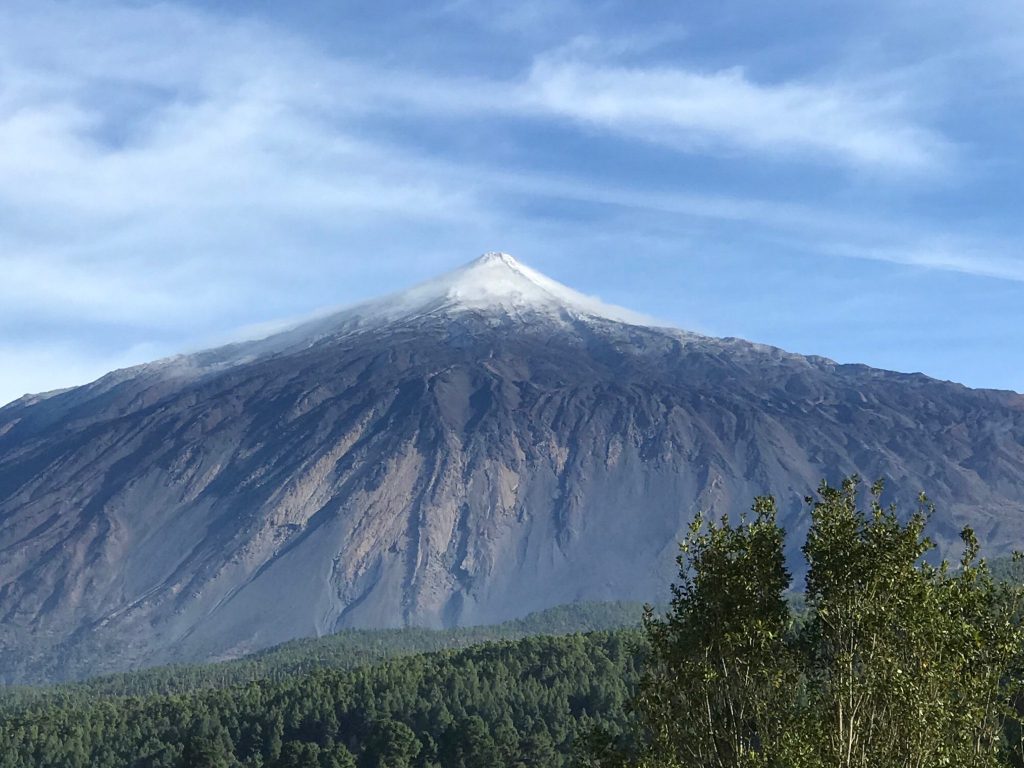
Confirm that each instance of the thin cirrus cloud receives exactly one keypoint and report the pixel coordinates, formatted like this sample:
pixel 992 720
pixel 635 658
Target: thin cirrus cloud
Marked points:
pixel 947 254
pixel 156 154
pixel 140 124
pixel 862 128
pixel 695 111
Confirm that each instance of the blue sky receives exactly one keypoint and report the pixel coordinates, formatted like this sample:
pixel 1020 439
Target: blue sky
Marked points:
pixel 840 179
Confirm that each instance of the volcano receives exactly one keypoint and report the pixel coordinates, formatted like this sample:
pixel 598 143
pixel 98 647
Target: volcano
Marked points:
pixel 479 447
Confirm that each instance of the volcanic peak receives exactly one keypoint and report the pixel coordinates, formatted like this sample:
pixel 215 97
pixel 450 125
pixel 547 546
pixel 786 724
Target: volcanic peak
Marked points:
pixel 495 282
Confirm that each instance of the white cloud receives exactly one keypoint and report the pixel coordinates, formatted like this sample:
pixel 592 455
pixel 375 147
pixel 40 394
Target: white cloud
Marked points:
pixel 233 144
pixel 726 110
pixel 868 127
pixel 946 254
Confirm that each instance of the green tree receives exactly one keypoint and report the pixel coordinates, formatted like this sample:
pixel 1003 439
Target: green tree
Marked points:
pixel 906 664
pixel 337 756
pixel 299 754
pixel 719 686
pixel 537 750
pixel 393 744
pixel 209 746
pixel 895 663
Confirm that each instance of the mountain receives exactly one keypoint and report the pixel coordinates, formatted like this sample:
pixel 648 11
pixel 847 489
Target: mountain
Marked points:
pixel 480 447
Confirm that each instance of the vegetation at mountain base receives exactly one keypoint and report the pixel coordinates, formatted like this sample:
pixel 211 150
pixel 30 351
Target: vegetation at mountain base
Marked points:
pixel 896 662
pixel 523 703
pixel 347 649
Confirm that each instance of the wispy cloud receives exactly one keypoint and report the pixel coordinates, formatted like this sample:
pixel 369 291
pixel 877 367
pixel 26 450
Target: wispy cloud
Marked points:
pixel 946 254
pixel 229 142
pixel 868 127
pixel 727 111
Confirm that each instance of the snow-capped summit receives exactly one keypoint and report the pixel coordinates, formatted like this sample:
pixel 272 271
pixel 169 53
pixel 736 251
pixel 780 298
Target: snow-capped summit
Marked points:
pixel 494 282
pixel 494 285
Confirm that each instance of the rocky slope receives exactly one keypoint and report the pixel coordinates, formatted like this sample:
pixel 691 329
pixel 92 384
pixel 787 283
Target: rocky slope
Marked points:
pixel 483 446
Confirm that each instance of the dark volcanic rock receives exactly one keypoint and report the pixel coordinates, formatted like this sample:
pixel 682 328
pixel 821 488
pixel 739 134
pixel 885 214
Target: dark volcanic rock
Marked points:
pixel 475 450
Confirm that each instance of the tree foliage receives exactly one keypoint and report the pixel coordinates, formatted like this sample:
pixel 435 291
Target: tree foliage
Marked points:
pixel 720 655
pixel 897 662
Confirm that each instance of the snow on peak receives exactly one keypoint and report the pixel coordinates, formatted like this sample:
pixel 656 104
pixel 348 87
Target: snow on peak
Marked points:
pixel 497 282
pixel 494 284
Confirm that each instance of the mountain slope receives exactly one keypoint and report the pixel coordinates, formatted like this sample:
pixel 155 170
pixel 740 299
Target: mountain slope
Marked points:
pixel 484 446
